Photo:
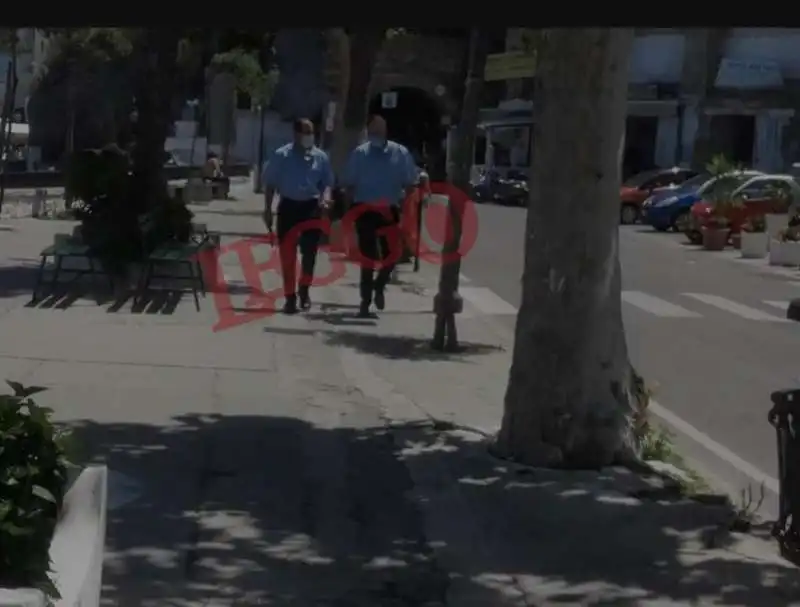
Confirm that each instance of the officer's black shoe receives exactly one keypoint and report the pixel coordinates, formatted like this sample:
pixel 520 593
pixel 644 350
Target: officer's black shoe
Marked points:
pixel 305 299
pixel 363 310
pixel 290 307
pixel 380 299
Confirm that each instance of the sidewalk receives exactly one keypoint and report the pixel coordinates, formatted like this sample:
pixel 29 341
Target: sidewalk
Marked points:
pixel 290 461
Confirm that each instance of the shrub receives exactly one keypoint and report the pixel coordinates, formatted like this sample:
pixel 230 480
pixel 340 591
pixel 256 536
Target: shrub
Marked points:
pixel 756 225
pixel 101 180
pixel 33 473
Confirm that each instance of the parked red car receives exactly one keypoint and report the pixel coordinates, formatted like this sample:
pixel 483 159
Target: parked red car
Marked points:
pixel 640 187
pixel 757 196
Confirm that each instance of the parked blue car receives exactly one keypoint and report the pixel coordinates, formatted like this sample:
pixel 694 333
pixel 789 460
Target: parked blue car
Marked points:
pixel 670 208
pixel 666 209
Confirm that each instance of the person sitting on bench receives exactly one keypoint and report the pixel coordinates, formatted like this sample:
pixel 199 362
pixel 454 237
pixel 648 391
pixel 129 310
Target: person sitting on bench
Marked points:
pixel 212 173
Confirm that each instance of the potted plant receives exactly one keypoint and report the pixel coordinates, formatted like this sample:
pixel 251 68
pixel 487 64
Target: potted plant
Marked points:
pixel 785 251
pixel 754 238
pixel 716 232
pixel 52 516
pixel 33 478
pixel 778 221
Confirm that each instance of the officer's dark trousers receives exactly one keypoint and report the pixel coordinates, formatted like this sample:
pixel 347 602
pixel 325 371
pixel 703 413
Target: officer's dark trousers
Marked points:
pixel 380 248
pixel 296 227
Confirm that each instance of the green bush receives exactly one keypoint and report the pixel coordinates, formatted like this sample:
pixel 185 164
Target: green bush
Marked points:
pixel 100 180
pixel 33 474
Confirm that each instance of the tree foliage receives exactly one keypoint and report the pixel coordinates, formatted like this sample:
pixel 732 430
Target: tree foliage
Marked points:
pixel 246 69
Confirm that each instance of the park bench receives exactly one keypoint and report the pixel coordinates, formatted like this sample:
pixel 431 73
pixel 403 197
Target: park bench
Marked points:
pixel 177 254
pixel 66 246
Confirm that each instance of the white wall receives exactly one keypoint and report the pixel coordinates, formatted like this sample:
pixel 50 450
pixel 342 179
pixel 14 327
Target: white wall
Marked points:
pixel 657 58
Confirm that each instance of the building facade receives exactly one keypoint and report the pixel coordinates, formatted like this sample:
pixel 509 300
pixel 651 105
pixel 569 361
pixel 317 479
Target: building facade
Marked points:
pixel 741 85
pixel 31 51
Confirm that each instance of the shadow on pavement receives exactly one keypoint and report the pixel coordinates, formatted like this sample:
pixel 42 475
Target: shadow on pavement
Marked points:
pixel 17 279
pixel 249 510
pixel 403 347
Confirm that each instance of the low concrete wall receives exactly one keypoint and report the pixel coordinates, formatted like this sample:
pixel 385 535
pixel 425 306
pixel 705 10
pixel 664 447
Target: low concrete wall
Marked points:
pixel 24 597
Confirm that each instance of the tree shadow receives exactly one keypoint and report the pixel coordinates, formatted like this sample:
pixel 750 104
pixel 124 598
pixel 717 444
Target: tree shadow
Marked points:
pixel 17 279
pixel 397 347
pixel 254 510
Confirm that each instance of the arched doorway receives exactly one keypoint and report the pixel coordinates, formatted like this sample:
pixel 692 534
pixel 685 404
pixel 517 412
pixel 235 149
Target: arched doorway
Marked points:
pixel 416 122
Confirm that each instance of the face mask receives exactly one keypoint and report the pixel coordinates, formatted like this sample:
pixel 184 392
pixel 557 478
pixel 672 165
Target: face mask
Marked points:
pixel 307 141
pixel 376 142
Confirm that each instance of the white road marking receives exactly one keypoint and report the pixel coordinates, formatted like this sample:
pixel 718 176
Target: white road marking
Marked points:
pixel 464 279
pixel 714 447
pixel 486 301
pixel 781 305
pixel 656 306
pixel 734 308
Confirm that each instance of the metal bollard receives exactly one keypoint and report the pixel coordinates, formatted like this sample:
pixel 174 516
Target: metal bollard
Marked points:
pixel 785 417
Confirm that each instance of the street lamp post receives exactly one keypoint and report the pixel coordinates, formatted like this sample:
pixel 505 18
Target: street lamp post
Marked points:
pixel 260 156
pixel 194 104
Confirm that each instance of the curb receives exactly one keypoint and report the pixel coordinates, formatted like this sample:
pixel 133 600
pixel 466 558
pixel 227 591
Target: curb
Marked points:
pixel 79 541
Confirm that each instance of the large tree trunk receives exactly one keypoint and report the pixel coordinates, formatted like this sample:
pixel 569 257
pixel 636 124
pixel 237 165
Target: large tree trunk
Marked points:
pixel 157 57
pixel 365 42
pixel 445 332
pixel 570 399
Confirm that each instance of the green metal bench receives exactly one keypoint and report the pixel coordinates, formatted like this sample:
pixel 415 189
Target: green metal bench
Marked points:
pixel 64 247
pixel 176 253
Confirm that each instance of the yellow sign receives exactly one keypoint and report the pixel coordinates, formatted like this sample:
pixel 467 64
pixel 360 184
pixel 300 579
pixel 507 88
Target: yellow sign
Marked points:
pixel 510 66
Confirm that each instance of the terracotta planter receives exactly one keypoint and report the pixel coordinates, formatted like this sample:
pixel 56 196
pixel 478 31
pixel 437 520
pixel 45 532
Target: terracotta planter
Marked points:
pixel 715 239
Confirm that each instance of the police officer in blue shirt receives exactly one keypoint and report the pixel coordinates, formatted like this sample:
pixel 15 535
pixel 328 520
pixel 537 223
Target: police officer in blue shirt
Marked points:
pixel 379 172
pixel 301 175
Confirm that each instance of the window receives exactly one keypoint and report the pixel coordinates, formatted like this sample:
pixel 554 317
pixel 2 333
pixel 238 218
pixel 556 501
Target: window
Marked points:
pixel 766 189
pixel 667 179
pixel 722 186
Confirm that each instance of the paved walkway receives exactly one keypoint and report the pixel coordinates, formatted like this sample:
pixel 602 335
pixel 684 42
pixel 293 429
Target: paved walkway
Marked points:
pixel 290 461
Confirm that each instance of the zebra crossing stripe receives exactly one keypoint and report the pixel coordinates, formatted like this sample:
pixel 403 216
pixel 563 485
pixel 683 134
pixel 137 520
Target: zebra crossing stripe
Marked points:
pixel 733 307
pixel 656 306
pixel 486 301
pixel 780 305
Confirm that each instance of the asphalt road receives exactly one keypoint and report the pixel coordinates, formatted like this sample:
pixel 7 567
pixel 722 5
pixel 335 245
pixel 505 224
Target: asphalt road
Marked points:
pixel 707 331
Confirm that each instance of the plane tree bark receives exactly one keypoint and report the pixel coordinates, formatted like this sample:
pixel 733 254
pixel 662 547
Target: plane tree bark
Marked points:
pixel 363 45
pixel 156 55
pixel 573 399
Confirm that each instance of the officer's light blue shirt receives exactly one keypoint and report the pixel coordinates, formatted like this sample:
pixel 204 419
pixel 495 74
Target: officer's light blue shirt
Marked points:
pixel 379 174
pixel 298 173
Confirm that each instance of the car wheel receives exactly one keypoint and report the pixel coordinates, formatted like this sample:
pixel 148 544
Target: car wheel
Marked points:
pixel 628 215
pixel 681 221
